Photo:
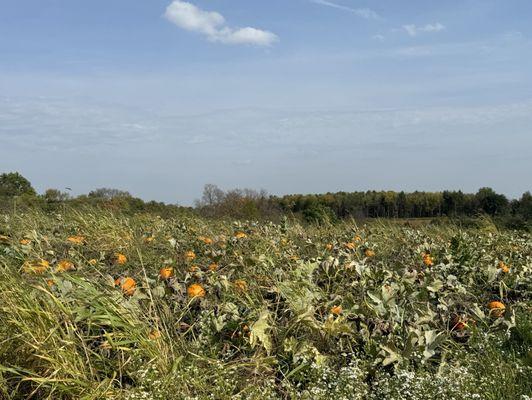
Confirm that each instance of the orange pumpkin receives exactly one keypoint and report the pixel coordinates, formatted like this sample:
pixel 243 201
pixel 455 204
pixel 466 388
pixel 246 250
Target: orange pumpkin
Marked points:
pixel 241 285
pixel 119 259
pixel 190 255
pixel 64 266
pixel 427 259
pixel 205 240
pixel 166 273
pixel 196 290
pixel 496 308
pixel 350 245
pixel 154 334
pixel 128 285
pixel 78 239
pixel 336 310
pixel 503 267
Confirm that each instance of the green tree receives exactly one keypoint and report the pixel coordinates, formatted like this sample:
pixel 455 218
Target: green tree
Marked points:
pixel 108 194
pixel 491 202
pixel 525 206
pixel 13 184
pixel 55 195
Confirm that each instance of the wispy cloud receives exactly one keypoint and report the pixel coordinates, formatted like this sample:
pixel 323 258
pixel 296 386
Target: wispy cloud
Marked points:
pixel 414 30
pixel 361 12
pixel 70 132
pixel 214 27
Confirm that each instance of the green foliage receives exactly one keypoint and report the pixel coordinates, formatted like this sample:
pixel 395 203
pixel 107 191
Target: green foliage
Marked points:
pixel 13 184
pixel 318 213
pixel 247 204
pixel 290 311
pixel 490 202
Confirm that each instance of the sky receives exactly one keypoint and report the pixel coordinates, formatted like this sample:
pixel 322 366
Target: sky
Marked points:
pixel 161 97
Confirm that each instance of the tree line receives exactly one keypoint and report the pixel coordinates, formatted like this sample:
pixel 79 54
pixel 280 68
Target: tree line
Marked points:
pixel 17 192
pixel 312 208
pixel 330 207
pixel 389 204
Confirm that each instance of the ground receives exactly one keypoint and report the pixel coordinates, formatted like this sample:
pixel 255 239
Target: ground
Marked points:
pixel 95 305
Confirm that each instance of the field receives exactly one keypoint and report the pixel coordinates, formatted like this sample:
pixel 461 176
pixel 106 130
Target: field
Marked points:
pixel 99 305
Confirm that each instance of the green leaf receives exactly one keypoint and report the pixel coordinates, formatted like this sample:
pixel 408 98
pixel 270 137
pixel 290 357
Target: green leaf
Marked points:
pixel 436 286
pixel 392 355
pixel 259 332
pixel 158 291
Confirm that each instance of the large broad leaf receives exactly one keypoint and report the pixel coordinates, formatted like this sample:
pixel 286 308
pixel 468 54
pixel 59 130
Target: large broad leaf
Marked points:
pixel 391 354
pixel 432 341
pixel 477 311
pixel 301 293
pixel 492 272
pixel 158 291
pixel 336 326
pixel 260 332
pixel 435 286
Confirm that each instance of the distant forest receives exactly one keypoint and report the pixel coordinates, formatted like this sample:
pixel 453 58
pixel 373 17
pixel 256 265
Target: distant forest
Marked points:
pixel 17 191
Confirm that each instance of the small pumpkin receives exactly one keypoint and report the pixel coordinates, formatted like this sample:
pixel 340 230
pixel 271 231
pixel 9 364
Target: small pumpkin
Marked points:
pixel 504 267
pixel 241 285
pixel 154 334
pixel 166 273
pixel 427 259
pixel 496 308
pixel 119 259
pixel 65 266
pixel 206 240
pixel 190 255
pixel 78 239
pixel 336 310
pixel 127 284
pixel 369 253
pixel 196 290
pixel 350 245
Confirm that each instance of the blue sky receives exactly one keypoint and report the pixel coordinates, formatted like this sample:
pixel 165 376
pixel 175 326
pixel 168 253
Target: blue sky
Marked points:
pixel 160 97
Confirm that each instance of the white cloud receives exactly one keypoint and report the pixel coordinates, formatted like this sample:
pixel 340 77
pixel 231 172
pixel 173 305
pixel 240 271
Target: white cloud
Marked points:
pixel 249 36
pixel 380 38
pixel 414 30
pixel 213 25
pixel 361 12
